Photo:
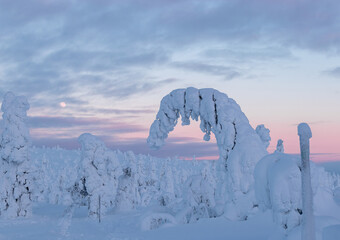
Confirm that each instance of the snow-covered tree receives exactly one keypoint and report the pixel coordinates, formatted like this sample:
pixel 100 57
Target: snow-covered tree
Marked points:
pixel 94 174
pixel 167 188
pixel 199 194
pixel 278 187
pixel 240 148
pixel 279 146
pixel 264 134
pixel 16 171
pixel 308 225
pixel 127 193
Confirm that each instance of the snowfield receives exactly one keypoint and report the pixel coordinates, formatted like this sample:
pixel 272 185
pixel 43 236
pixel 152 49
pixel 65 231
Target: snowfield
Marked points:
pixel 98 193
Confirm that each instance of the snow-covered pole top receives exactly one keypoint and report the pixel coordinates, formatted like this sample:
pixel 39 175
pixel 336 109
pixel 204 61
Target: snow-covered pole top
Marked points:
pixel 304 131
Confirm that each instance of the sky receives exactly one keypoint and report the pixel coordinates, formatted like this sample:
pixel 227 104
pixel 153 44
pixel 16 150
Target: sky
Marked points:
pixel 103 66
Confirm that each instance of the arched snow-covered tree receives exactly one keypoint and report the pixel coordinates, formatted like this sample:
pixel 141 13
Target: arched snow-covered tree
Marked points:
pixel 240 148
pixel 16 171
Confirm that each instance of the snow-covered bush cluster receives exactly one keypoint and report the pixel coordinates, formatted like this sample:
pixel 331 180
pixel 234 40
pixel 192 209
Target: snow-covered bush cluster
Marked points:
pixel 244 180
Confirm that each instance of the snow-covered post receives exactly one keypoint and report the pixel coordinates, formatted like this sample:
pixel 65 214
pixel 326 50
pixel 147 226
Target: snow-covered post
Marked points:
pixel 16 193
pixel 308 225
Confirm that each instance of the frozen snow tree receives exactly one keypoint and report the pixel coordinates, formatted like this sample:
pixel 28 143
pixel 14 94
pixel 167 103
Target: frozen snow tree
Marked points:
pixel 167 188
pixel 279 146
pixel 278 187
pixel 16 171
pixel 239 146
pixel 264 134
pixel 127 192
pixel 94 174
pixel 308 225
pixel 199 195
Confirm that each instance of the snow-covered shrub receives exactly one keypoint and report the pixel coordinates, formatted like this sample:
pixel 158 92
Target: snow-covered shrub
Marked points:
pixel 16 171
pixel 157 220
pixel 94 174
pixel 240 147
pixel 264 134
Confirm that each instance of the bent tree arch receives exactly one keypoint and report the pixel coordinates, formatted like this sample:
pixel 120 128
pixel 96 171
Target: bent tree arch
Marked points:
pixel 218 113
pixel 240 147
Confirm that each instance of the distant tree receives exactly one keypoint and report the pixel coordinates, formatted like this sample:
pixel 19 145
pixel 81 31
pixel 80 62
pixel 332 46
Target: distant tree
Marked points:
pixel 279 146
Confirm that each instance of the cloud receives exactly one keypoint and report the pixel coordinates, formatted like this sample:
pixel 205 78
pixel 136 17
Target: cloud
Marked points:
pixel 241 55
pixel 89 123
pixel 334 72
pixel 228 73
pixel 109 48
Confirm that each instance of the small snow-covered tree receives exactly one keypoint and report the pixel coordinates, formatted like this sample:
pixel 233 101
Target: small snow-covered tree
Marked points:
pixel 264 134
pixel 127 192
pixel 279 146
pixel 240 148
pixel 16 170
pixel 94 173
pixel 167 188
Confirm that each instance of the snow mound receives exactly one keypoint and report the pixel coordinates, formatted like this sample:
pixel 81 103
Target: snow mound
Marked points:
pixel 157 220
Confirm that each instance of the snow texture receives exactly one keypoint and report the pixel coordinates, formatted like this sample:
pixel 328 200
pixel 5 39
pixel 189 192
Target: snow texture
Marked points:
pixel 16 170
